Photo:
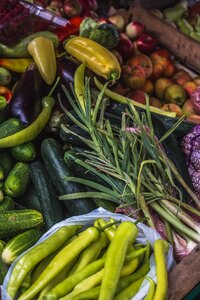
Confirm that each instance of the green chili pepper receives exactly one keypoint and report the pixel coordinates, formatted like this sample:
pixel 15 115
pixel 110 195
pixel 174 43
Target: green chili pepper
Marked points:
pixel 90 294
pixel 79 85
pixel 126 281
pixel 70 282
pixel 35 255
pixel 160 249
pixel 91 253
pixel 130 291
pixel 121 99
pixel 63 258
pixel 137 253
pixel 109 231
pixel 31 132
pixel 152 288
pixel 60 277
pixel 125 236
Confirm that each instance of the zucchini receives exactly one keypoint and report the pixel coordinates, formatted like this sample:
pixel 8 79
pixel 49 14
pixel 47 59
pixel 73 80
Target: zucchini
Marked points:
pixel 10 127
pixel 52 155
pixel 20 243
pixel 24 153
pixel 30 199
pixel 13 222
pixel 18 180
pixel 6 162
pixel 7 204
pixel 52 209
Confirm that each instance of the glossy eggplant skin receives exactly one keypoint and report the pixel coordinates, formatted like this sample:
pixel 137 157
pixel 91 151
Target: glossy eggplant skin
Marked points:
pixel 65 69
pixel 26 102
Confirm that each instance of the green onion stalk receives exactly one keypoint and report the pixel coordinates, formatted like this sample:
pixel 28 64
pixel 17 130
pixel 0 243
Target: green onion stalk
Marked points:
pixel 130 160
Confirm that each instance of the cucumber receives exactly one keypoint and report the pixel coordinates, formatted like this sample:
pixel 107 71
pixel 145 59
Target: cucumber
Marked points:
pixel 18 180
pixel 72 139
pixel 1 185
pixel 3 271
pixel 2 246
pixel 1 173
pixel 72 160
pixel 1 196
pixel 52 209
pixel 6 162
pixel 52 156
pixel 30 199
pixel 24 153
pixel 2 117
pixel 10 127
pixel 7 204
pixel 13 222
pixel 20 243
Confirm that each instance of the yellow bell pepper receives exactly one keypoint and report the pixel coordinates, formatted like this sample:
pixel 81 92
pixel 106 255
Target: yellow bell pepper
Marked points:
pixel 43 53
pixel 97 58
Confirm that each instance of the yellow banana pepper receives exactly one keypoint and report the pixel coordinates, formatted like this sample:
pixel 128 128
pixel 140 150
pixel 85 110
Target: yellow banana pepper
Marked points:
pixel 97 58
pixel 43 53
pixel 18 65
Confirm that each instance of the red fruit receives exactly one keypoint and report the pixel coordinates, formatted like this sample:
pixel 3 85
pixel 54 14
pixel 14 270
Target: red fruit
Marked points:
pixel 72 8
pixel 137 95
pixel 142 61
pixel 181 77
pixel 134 30
pixel 188 108
pixel 190 87
pixel 125 47
pixel 133 77
pixel 146 43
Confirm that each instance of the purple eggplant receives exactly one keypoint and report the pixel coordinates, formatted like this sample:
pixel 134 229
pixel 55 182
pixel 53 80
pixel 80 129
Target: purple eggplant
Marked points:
pixel 26 103
pixel 66 69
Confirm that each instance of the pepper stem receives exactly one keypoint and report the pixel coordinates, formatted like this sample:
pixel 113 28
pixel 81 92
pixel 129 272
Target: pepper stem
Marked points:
pixel 102 228
pixel 54 87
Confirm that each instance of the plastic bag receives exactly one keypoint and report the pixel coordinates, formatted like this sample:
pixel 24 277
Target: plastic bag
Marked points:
pixel 144 234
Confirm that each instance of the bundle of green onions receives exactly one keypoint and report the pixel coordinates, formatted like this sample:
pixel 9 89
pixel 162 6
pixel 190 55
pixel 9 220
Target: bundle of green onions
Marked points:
pixel 133 169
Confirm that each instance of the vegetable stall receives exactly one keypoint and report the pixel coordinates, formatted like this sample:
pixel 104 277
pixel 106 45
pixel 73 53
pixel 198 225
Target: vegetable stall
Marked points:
pixel 99 150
